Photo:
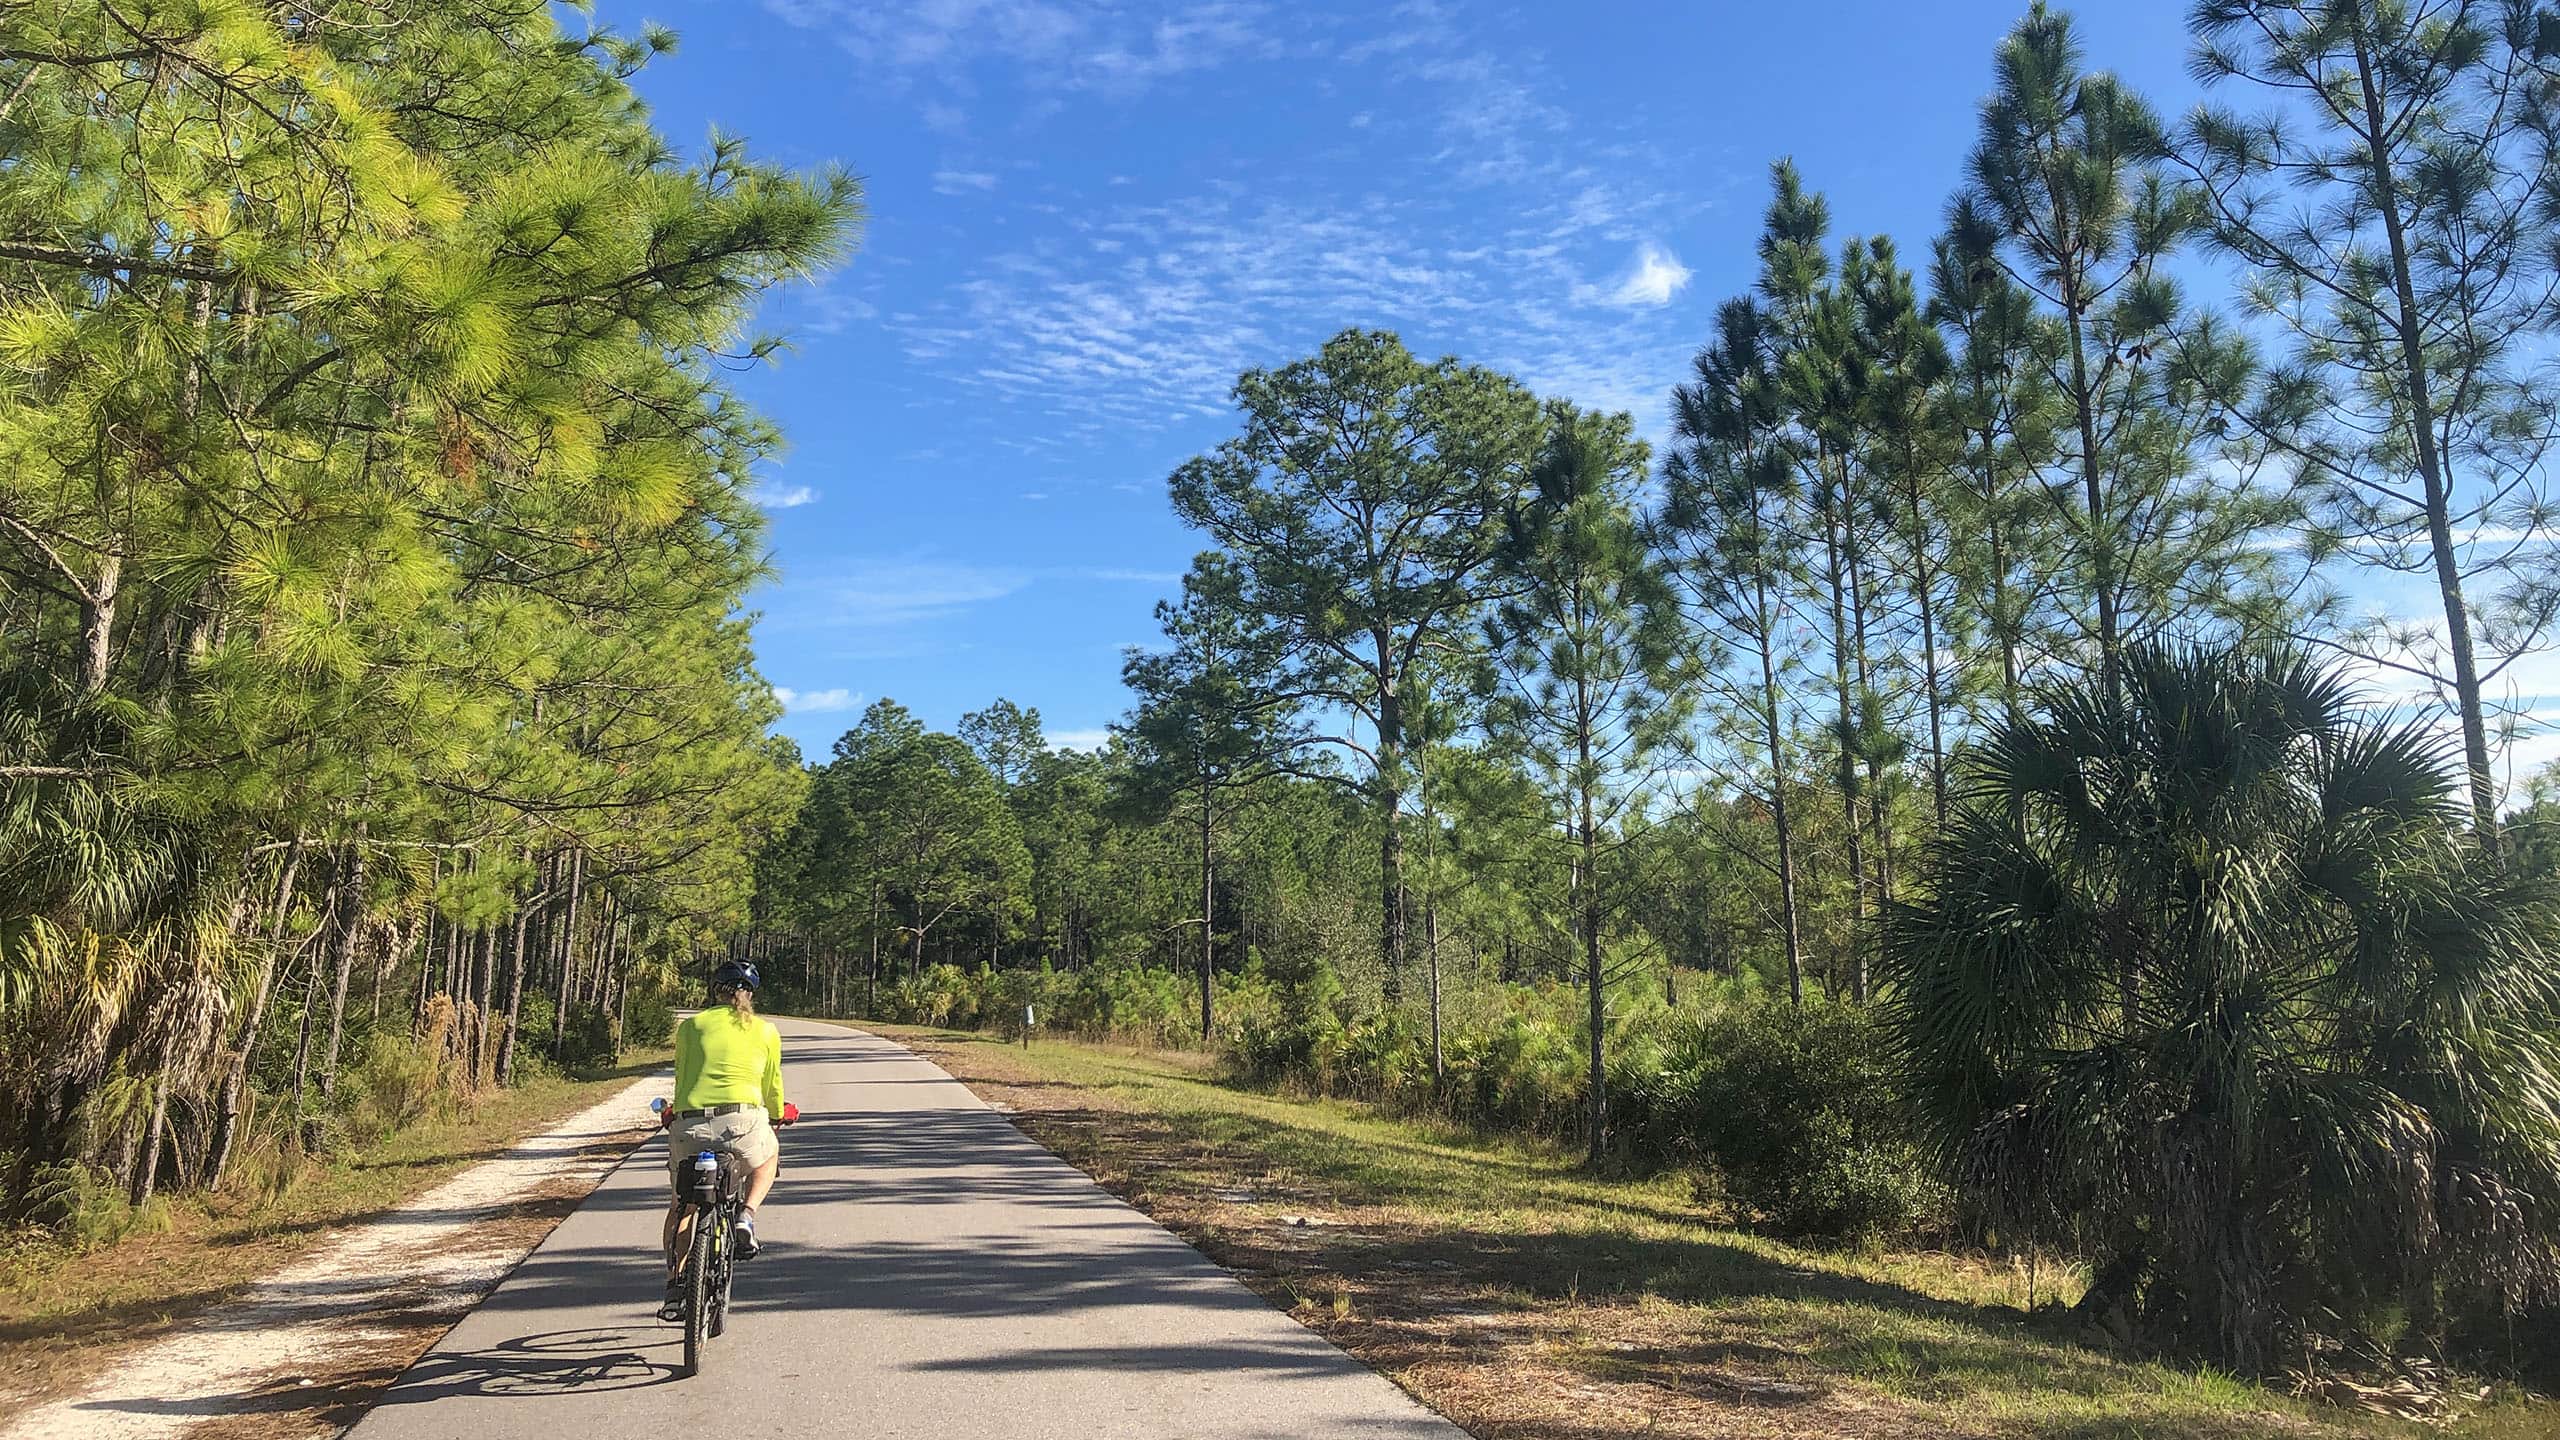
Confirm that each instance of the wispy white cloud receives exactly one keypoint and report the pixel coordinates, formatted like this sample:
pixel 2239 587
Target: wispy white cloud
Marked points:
pixel 1200 38
pixel 816 702
pixel 1656 276
pixel 826 308
pixel 1151 334
pixel 1072 44
pixel 1093 739
pixel 1493 226
pixel 785 497
pixel 892 593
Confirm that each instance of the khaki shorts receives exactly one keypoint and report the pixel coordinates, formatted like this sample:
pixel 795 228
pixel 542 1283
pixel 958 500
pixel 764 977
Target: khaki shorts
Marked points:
pixel 746 1134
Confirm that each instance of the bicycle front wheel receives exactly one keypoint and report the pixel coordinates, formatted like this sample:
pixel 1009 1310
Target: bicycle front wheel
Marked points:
pixel 697 1290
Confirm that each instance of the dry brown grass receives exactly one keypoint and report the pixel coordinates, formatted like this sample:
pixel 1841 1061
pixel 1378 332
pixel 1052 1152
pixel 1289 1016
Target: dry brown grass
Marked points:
pixel 1519 1296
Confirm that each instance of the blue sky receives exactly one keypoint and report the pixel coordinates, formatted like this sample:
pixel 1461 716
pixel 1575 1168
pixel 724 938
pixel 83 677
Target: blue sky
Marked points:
pixel 1087 216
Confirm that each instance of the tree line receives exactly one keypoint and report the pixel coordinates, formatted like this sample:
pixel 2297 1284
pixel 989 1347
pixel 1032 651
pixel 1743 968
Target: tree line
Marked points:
pixel 1976 673
pixel 375 516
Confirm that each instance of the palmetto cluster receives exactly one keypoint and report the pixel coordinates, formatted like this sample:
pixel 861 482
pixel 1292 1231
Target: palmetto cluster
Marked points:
pixel 2212 980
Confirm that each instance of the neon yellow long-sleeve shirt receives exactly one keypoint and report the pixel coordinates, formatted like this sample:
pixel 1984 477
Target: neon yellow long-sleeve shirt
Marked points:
pixel 723 1060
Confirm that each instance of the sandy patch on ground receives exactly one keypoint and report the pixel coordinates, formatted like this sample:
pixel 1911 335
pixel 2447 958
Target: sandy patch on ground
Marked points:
pixel 303 1351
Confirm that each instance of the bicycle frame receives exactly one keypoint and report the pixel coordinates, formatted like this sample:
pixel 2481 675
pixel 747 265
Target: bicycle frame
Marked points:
pixel 713 1204
pixel 712 1189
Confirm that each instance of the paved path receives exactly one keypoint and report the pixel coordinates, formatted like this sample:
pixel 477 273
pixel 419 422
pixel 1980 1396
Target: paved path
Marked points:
pixel 928 1271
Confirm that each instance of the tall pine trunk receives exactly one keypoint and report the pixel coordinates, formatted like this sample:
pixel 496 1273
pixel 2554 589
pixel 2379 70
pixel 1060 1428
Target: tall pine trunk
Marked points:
pixel 1853 827
pixel 235 1078
pixel 349 938
pixel 1879 799
pixel 485 978
pixel 515 994
pixel 1773 724
pixel 1391 947
pixel 1591 969
pixel 566 950
pixel 98 622
pixel 1925 588
pixel 2434 470
pixel 1208 908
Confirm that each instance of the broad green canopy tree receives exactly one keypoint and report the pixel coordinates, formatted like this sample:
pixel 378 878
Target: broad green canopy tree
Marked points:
pixel 933 825
pixel 1362 504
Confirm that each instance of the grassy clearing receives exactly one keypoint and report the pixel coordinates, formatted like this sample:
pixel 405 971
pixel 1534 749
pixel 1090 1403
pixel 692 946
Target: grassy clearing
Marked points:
pixel 1521 1297
pixel 63 1311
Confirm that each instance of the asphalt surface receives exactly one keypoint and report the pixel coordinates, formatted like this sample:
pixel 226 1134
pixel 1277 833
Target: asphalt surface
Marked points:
pixel 928 1271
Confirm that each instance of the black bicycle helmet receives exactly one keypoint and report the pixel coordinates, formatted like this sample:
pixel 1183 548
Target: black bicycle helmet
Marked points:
pixel 739 974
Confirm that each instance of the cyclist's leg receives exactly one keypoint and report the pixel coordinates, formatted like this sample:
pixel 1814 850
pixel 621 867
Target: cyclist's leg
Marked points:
pixel 760 1180
pixel 760 1150
pixel 677 1233
pixel 690 1137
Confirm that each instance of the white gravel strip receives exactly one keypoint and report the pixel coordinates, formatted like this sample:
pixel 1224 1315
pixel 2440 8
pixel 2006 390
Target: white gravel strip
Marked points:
pixel 364 1287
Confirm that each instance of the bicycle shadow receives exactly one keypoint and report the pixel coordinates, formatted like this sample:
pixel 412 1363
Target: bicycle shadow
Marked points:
pixel 559 1362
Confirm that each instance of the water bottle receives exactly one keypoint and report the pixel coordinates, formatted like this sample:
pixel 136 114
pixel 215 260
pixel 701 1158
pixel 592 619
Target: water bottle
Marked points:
pixel 706 1176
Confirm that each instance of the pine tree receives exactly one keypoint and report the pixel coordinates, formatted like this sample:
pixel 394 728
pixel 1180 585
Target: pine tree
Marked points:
pixel 2394 206
pixel 1362 505
pixel 1204 737
pixel 1589 670
pixel 404 442
pixel 2002 398
pixel 1727 520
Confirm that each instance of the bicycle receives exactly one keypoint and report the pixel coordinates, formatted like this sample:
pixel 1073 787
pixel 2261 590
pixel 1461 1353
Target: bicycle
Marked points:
pixel 713 1187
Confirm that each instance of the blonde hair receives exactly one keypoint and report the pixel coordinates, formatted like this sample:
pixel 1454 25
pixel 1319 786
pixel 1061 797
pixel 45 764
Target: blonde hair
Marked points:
pixel 742 1002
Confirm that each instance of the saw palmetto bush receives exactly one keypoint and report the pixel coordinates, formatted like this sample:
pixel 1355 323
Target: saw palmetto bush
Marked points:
pixel 2210 980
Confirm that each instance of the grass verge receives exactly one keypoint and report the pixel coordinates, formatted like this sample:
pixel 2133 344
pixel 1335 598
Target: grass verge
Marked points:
pixel 1522 1297
pixel 63 1311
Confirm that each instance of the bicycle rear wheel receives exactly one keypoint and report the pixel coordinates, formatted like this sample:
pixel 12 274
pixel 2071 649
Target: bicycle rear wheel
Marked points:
pixel 697 1290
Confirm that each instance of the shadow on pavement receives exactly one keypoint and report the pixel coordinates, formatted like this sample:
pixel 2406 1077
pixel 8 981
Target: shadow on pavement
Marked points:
pixel 559 1362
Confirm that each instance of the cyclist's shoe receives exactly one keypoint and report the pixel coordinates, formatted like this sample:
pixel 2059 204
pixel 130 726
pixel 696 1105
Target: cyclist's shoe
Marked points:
pixel 742 1239
pixel 672 1309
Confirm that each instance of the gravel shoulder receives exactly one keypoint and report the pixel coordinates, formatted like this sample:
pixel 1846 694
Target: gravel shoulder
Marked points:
pixel 302 1350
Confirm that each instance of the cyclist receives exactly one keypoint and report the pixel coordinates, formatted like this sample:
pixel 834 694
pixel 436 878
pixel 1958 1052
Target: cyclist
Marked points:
pixel 728 1094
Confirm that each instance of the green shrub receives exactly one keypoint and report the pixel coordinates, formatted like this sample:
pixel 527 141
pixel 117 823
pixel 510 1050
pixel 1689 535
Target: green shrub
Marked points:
pixel 394 1084
pixel 1385 1055
pixel 1523 1071
pixel 649 1019
pixel 1297 1037
pixel 534 1017
pixel 588 1045
pixel 85 1207
pixel 1796 1111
